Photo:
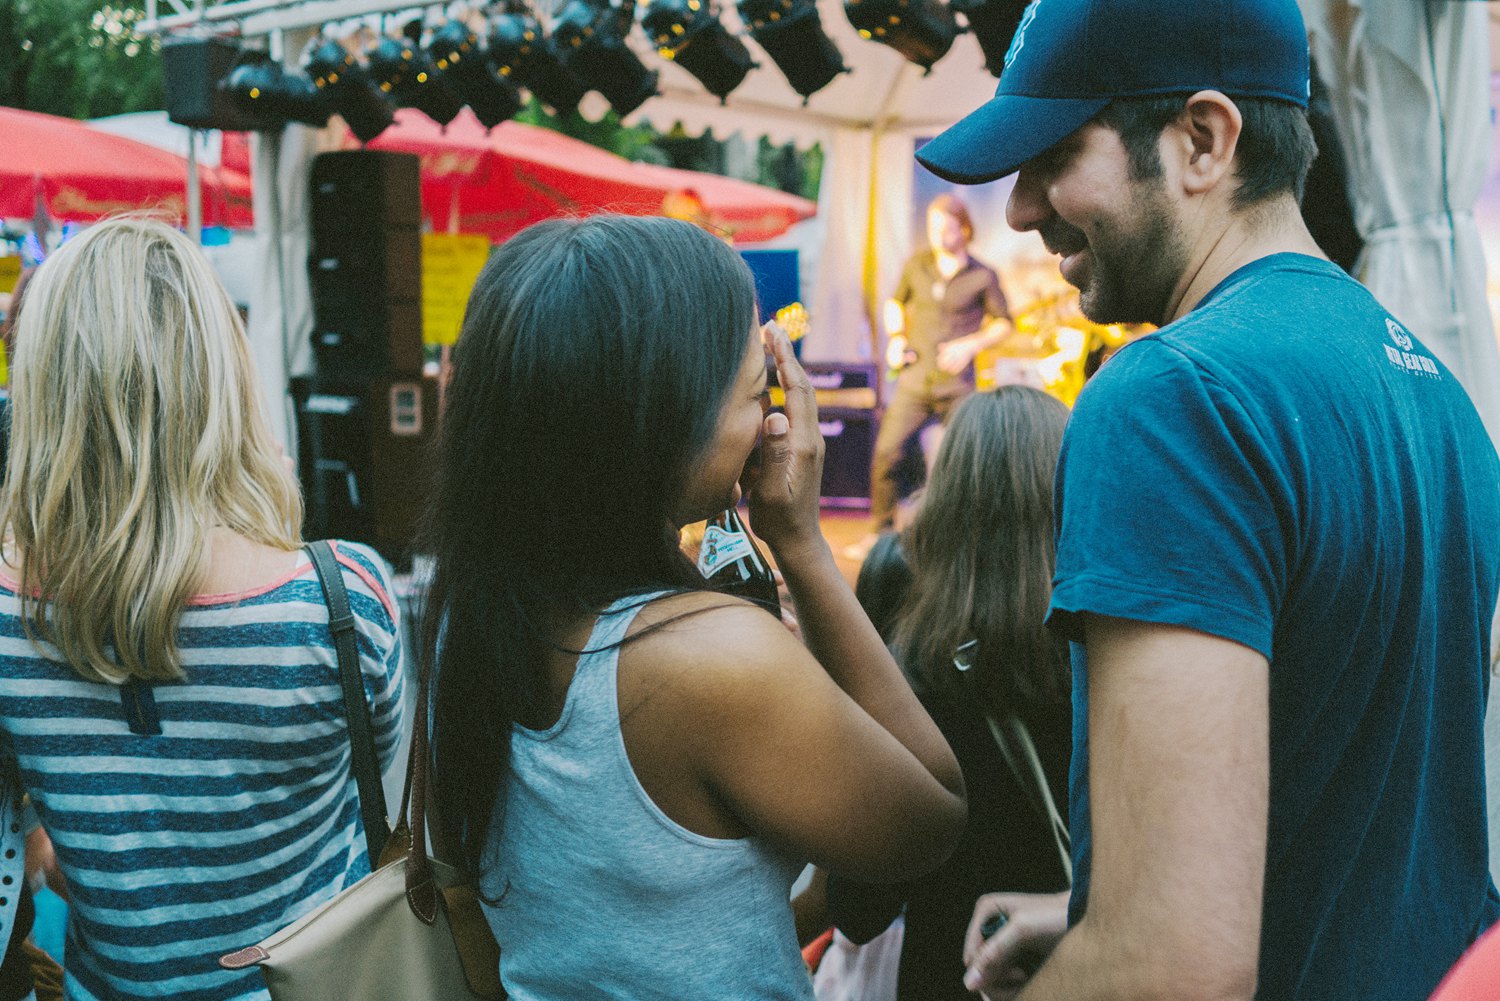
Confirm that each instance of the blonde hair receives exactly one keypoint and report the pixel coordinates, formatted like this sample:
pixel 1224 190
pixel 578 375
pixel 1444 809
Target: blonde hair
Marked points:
pixel 137 428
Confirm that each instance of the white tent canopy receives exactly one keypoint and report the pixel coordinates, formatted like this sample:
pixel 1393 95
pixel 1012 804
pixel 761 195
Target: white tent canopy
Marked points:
pixel 867 121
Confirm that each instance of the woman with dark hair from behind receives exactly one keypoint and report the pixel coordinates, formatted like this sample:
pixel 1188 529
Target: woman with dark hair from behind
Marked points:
pixel 971 638
pixel 638 767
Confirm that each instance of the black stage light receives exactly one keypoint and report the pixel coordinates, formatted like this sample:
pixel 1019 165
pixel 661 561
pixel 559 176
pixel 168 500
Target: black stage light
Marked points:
pixel 350 92
pixel 454 50
pixel 690 33
pixel 993 23
pixel 591 37
pixel 521 51
pixel 269 96
pixel 792 34
pixel 921 30
pixel 403 71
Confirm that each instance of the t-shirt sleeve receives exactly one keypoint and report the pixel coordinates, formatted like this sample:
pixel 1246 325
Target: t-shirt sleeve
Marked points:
pixel 378 633
pixel 1169 506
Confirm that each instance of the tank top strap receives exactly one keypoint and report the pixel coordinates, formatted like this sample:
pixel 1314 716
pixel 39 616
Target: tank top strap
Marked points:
pixel 614 622
pixel 592 691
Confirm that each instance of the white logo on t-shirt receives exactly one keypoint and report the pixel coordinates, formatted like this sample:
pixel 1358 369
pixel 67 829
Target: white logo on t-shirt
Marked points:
pixel 1403 357
pixel 1402 339
pixel 1412 362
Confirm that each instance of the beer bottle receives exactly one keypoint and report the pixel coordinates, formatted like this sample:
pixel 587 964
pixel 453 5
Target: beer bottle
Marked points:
pixel 732 563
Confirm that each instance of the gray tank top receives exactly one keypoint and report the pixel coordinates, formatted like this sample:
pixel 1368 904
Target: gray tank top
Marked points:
pixel 602 895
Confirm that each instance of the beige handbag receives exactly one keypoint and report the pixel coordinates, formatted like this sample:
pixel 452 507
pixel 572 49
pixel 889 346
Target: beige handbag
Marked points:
pixel 410 931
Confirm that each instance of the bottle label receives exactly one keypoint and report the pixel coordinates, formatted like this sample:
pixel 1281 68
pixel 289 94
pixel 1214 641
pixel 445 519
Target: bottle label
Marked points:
pixel 719 549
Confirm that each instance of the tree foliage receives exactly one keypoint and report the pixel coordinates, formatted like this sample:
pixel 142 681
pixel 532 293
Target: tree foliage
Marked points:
pixel 77 58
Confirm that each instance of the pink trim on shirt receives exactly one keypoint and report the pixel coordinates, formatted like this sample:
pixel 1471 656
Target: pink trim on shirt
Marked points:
pixel 228 597
pixel 368 578
pixel 11 584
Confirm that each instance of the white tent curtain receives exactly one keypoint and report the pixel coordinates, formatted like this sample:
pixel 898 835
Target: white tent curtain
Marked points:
pixel 865 207
pixel 1410 88
pixel 281 306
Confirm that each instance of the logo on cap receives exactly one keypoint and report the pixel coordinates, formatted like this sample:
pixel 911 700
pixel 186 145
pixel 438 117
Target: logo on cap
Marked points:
pixel 1019 41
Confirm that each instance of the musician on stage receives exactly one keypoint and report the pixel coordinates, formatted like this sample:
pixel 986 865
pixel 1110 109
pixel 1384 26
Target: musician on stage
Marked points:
pixel 947 308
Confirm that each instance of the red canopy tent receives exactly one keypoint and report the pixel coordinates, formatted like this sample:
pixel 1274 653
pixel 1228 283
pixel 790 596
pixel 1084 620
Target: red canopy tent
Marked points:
pixel 501 181
pixel 82 174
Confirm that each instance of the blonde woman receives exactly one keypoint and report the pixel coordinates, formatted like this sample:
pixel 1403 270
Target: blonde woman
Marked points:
pixel 168 685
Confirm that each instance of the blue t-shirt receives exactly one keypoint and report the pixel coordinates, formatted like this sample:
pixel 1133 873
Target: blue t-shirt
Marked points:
pixel 1288 468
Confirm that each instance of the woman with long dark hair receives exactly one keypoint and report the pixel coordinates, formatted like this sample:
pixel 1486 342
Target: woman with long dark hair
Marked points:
pixel 970 635
pixel 638 767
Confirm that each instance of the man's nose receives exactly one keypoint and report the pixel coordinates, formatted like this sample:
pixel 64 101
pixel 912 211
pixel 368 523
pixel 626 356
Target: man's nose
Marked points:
pixel 1027 207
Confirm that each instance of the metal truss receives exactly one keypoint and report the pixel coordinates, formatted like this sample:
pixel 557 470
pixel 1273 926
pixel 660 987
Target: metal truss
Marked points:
pixel 258 17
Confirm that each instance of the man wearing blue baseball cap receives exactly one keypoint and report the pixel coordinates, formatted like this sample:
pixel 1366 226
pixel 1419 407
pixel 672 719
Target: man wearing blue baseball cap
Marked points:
pixel 1278 541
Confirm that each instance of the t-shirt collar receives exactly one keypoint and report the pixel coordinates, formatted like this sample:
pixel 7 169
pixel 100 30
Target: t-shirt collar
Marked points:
pixel 1259 266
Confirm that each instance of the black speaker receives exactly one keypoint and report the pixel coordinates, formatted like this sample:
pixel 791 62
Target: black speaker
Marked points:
pixel 369 342
pixel 349 274
pixel 191 70
pixel 365 265
pixel 826 375
pixel 849 442
pixel 365 191
pixel 365 459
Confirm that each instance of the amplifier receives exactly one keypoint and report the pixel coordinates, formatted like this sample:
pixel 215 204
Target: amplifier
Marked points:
pixel 835 384
pixel 840 375
pixel 848 444
pixel 365 458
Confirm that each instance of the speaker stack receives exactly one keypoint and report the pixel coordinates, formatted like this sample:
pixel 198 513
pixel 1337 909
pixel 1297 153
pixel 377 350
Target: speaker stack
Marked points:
pixel 365 420
pixel 847 418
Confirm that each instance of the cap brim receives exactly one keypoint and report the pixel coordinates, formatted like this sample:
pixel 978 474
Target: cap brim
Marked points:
pixel 1003 133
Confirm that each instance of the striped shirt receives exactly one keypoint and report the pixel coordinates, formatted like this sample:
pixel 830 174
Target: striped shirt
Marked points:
pixel 239 817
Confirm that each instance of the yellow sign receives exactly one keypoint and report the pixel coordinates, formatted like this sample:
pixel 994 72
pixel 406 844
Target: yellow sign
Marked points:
pixel 451 262
pixel 10 273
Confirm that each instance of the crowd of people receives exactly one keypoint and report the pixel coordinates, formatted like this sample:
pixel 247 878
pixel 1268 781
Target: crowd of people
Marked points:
pixel 1176 695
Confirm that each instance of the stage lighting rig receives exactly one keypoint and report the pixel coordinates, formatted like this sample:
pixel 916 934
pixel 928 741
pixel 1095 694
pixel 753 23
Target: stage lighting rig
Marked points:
pixel 403 71
pixel 591 36
pixel 522 52
pixel 350 93
pixel 791 32
pixel 455 51
pixel 921 30
pixel 269 96
pixel 690 33
pixel 993 23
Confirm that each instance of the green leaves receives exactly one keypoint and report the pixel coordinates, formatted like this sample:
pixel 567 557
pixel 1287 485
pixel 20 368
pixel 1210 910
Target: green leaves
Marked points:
pixel 78 58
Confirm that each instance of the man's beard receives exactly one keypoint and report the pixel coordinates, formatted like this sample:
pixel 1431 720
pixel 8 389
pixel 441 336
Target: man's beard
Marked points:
pixel 1134 262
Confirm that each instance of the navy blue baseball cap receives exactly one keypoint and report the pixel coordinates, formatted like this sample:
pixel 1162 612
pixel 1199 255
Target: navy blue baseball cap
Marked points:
pixel 1070 58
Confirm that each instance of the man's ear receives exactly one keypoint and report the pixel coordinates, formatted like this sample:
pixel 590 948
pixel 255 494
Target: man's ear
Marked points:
pixel 1203 140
